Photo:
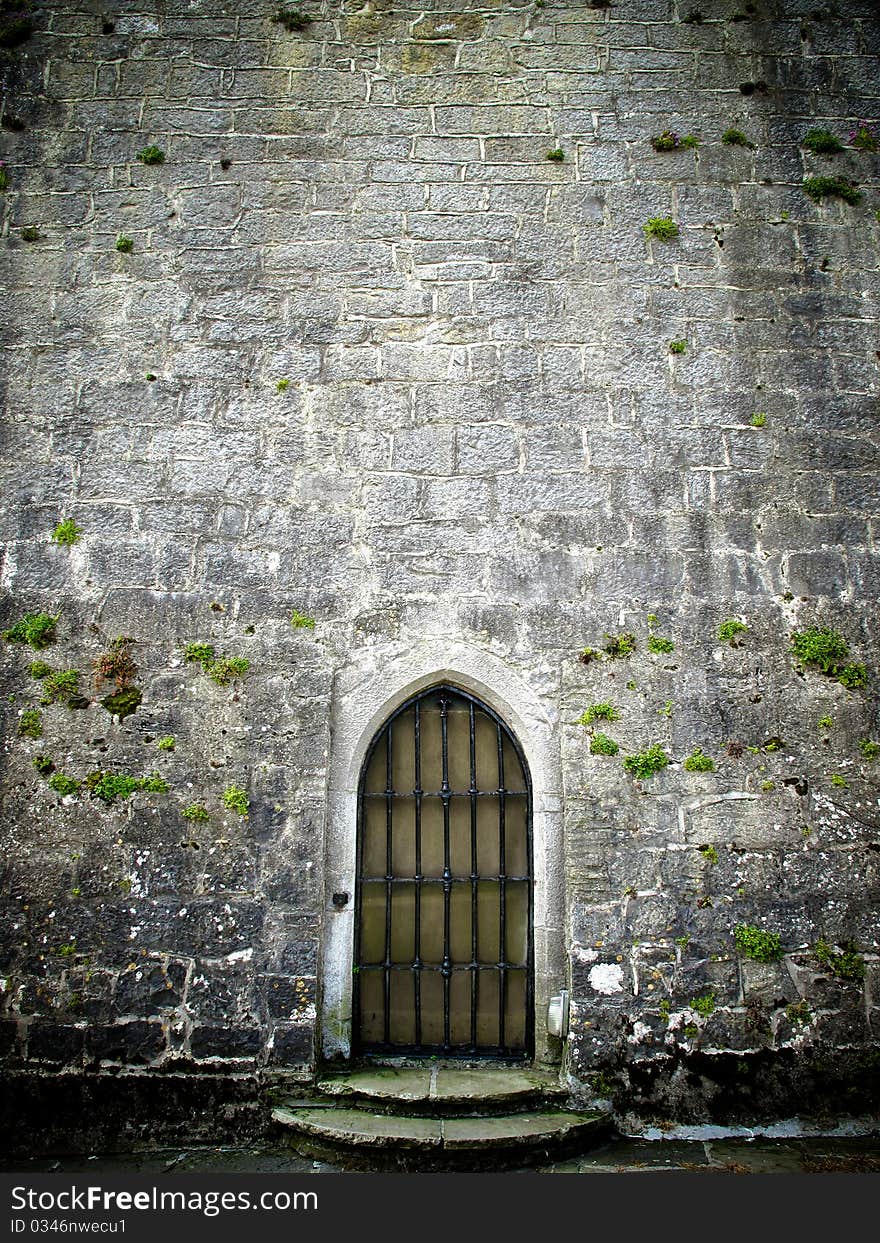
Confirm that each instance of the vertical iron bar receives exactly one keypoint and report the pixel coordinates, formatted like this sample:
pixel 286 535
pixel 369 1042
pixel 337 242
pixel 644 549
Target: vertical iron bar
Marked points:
pixel 473 794
pixel 446 969
pixel 389 876
pixel 502 893
pixel 417 792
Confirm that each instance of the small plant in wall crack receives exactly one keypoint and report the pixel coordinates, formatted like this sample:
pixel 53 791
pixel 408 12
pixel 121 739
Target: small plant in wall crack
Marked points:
pixel 66 533
pixel 35 629
pixel 730 630
pixel 661 229
pixel 151 155
pixel 678 347
pixel 598 712
pixel 221 669
pixel 757 944
pixel 670 141
pixel 818 188
pixel 236 799
pixel 557 155
pixel 736 138
pixel 30 724
pixel 699 763
pixel 293 20
pixel 196 812
pixel 601 744
pixel 645 764
pixel 846 962
pixel 821 142
pixel 864 137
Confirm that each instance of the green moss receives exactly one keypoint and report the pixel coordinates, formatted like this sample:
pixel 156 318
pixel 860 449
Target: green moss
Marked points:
pixel 282 386
pixel 736 138
pixel 38 669
pixel 709 853
pixel 35 629
pixel 63 784
pixel 667 141
pixel 226 669
pixel 758 419
pixel 108 787
pixel 299 621
pixel 601 744
pixel 660 646
pixel 820 647
pixel 196 812
pixel 236 800
pixel 728 631
pixel 66 533
pixel 821 142
pixel 293 20
pixel 838 780
pixel 44 765
pixel 203 653
pixel 678 347
pixel 30 724
pixel 818 188
pixel 123 703
pixel 151 155
pixel 166 744
pixel 557 155
pixel 845 963
pixel 853 677
pixel 61 686
pixel 154 784
pixel 661 229
pixel 588 654
pixel 620 645
pixel 646 763
pixel 124 245
pixel 757 944
pixel 799 1013
pixel 825 722
pixel 703 1005
pixel 598 712
pixel 767 786
pixel 870 750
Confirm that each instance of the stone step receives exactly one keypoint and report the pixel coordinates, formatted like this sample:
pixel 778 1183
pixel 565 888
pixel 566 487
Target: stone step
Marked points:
pixel 443 1090
pixel 363 1140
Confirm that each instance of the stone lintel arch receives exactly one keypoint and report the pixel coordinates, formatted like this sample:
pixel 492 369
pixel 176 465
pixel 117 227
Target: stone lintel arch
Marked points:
pixel 366 692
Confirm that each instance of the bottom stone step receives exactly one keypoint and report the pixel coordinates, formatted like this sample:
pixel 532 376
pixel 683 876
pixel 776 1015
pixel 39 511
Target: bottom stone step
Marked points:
pixel 366 1138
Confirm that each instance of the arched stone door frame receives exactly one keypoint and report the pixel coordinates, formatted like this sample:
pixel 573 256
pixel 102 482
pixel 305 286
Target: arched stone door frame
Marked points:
pixel 365 694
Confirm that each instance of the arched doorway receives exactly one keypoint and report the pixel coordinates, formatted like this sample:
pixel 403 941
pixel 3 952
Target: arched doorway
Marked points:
pixel 443 956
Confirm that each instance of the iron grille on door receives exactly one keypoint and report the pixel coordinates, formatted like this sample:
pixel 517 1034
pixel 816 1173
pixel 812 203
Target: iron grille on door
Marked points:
pixel 443 955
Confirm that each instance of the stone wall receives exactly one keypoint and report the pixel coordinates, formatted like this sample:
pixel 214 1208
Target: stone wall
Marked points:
pixel 374 357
